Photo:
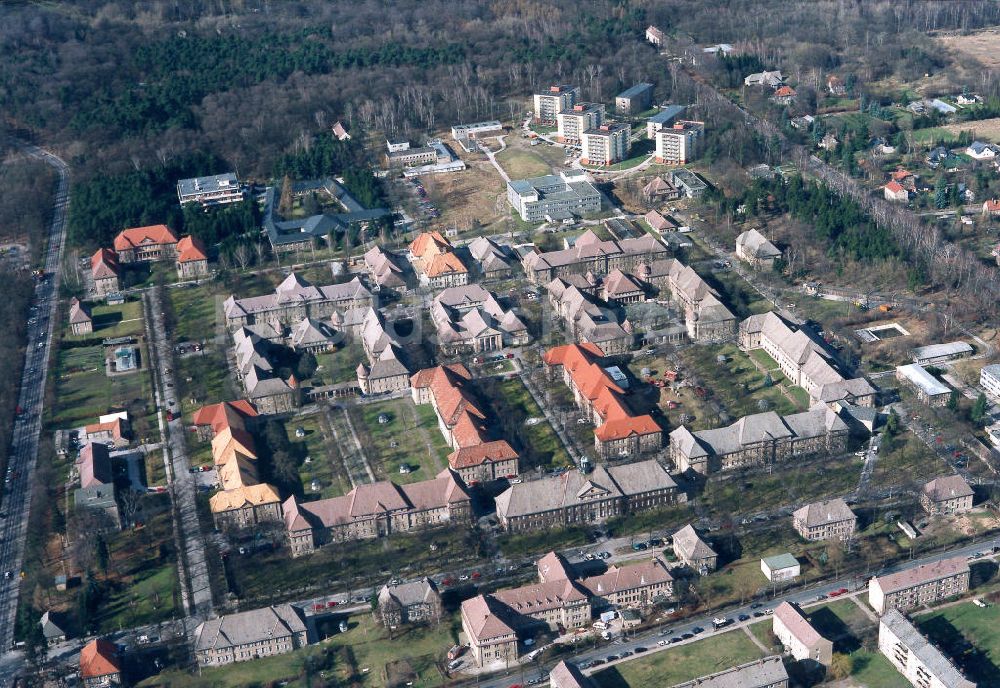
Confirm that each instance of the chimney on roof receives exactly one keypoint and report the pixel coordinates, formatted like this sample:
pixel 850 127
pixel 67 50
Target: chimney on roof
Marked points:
pixel 578 108
pixel 554 89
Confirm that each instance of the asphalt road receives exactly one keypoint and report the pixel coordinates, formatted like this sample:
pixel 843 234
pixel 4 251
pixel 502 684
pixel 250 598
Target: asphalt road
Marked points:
pixel 15 502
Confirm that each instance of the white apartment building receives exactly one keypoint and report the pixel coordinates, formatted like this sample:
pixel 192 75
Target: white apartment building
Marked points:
pixel 989 380
pixel 607 144
pixel 678 144
pixel 572 122
pixel 550 103
pixel 800 639
pixel 914 657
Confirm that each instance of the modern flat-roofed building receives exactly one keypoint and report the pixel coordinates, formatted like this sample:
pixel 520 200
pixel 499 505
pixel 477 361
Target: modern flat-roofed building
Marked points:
pixel 663 119
pixel 937 353
pixel 215 190
pixel 947 494
pixel 914 657
pixel 688 182
pixel 678 143
pixel 827 520
pixel 606 144
pixel 463 133
pixel 408 157
pixel 553 197
pixel 780 567
pixel 989 380
pixel 634 99
pixel 556 99
pixel 801 640
pixel 928 388
pixel 572 122
pixel 919 585
pixel 244 636
pixel 768 672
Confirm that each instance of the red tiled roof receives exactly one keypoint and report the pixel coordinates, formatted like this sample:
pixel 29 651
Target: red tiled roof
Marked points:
pixel 894 186
pixel 900 175
pixel 427 240
pixel 138 236
pixel 444 263
pixel 222 415
pixel 476 455
pixel 104 263
pixel 784 92
pixel 992 205
pixel 556 355
pixel 98 658
pixel 190 249
pixel 115 426
pixel 625 427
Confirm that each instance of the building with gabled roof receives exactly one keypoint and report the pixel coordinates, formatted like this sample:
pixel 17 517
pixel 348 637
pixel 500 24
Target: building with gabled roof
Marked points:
pixel 409 602
pixel 492 640
pixel 895 192
pixel 435 261
pixel 493 261
pixel 693 551
pixel 376 510
pixel 754 248
pixel 192 258
pixel 768 672
pixel 801 640
pixel 294 300
pixel 760 439
pixel 919 585
pixel 464 422
pixel 655 36
pixel 469 319
pixel 568 675
pixel 249 635
pixel 619 431
pixel 947 494
pixel 146 244
pixel 830 519
pixel 100 665
pixel 909 651
pixel 574 497
pixel 387 272
pixel 340 131
pixel 104 271
pixel 591 254
pixel 80 320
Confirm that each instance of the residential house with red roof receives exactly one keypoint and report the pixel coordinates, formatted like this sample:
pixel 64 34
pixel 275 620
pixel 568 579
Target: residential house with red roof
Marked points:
pixel 99 665
pixel 464 422
pixel 146 244
pixel 104 271
pixel 991 208
pixel 895 192
pixel 785 95
pixel 192 258
pixel 619 432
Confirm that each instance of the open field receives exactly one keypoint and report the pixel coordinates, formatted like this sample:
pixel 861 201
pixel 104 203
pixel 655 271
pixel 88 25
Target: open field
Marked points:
pixel 519 163
pixel 979 45
pixel 197 311
pixel 952 628
pixel 467 197
pixel 985 129
pixel 682 663
pixel 85 392
pixel 409 436
pixel 114 321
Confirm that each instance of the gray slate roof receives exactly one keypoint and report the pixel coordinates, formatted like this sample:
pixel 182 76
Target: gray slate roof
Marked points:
pixel 256 625
pixel 929 656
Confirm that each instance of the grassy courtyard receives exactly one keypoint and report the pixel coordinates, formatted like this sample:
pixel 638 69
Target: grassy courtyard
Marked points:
pixel 682 663
pixel 123 320
pixel 86 392
pixel 323 464
pixel 969 635
pixel 409 435
pixel 539 440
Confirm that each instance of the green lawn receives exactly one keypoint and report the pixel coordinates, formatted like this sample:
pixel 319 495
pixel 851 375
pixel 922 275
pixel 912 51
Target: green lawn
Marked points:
pixel 764 359
pixel 84 390
pixel 414 432
pixel 762 632
pixel 358 657
pixel 339 366
pixel 114 321
pixel 530 544
pixel 872 670
pixel 683 663
pixel 952 627
pixel 539 439
pixel 197 312
pixel 323 464
pixel 522 164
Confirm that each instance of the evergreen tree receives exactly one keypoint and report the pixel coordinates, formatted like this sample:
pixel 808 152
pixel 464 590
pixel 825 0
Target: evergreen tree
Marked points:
pixel 103 555
pixel 953 401
pixel 978 411
pixel 892 423
pixel 940 193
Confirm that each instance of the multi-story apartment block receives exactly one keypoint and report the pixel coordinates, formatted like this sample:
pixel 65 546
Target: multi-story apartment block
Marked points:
pixel 759 440
pixel 606 144
pixel 592 254
pixel 216 190
pixel 244 636
pixel 619 431
pixel 294 300
pixel 554 197
pixel 801 640
pixel 566 675
pixel 922 664
pixel 574 498
pixel 678 144
pixel 376 510
pixel 948 494
pixel 556 99
pixel 146 244
pixel 803 360
pixel 919 585
pixel 494 623
pixel 663 119
pixel 827 520
pixel 989 380
pixel 634 99
pixel 573 121
pixel 104 272
pixel 463 421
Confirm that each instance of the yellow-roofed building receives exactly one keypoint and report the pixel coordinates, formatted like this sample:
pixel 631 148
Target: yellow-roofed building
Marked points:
pixel 246 506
